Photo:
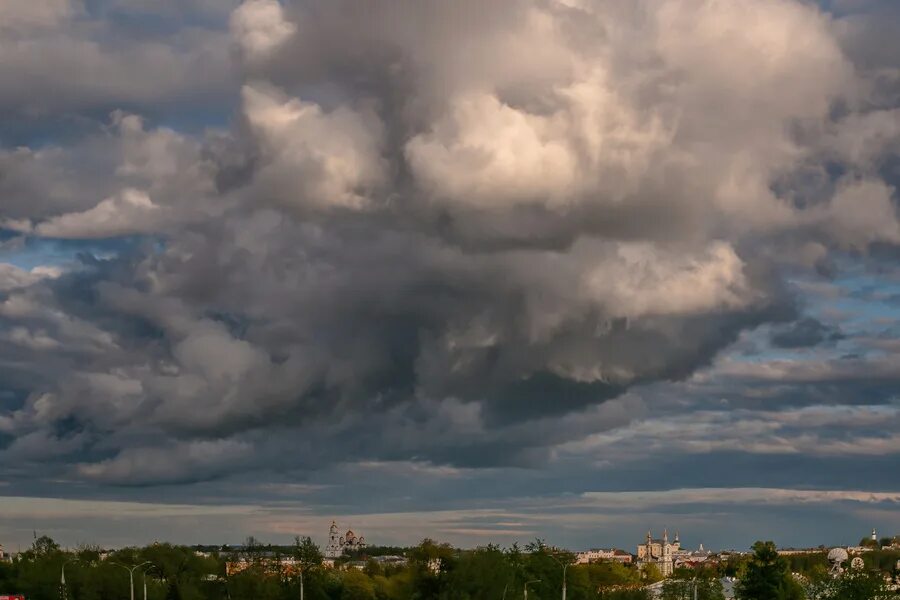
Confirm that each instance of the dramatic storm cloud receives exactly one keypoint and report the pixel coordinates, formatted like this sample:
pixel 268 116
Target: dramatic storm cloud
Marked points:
pixel 422 258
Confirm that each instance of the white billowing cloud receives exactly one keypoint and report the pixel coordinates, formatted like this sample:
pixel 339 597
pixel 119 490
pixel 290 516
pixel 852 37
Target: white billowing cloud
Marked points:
pixel 415 239
pixel 863 212
pixel 152 155
pixel 12 277
pixel 260 27
pixel 172 168
pixel 742 51
pixel 127 213
pixel 487 154
pixel 119 162
pixel 746 72
pixel 685 109
pixel 15 14
pixel 864 139
pixel 646 280
pixel 211 352
pixel 312 157
pixel 63 57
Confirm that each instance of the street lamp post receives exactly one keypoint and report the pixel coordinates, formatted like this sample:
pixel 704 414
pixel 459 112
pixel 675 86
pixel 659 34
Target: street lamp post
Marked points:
pixel 144 577
pixel 62 576
pixel 526 587
pixel 564 567
pixel 131 571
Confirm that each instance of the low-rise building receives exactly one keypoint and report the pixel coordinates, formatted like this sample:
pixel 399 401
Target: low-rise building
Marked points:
pixel 598 555
pixel 283 565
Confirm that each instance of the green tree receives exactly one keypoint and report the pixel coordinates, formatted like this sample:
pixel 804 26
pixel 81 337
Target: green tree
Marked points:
pixel 482 574
pixel 650 573
pixel 634 594
pixel 44 546
pixel 307 553
pixel 431 564
pixel 357 586
pixel 767 577
pixel 683 589
pixel 852 585
pixel 173 592
pixel 609 574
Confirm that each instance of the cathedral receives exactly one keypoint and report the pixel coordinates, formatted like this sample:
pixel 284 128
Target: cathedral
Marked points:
pixel 338 544
pixel 659 552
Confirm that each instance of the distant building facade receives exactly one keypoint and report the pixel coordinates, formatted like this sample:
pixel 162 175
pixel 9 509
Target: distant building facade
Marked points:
pixel 339 544
pixel 268 563
pixel 659 552
pixel 598 555
pixel 692 558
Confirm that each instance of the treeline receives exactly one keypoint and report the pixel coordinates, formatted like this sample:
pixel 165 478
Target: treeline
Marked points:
pixel 433 571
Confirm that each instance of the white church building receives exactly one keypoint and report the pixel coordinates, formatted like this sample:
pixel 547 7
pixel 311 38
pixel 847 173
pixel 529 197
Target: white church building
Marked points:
pixel 339 544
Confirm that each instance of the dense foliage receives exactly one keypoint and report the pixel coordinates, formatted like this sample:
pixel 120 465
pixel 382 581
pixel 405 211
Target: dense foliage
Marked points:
pixel 690 584
pixel 860 584
pixel 432 571
pixel 768 577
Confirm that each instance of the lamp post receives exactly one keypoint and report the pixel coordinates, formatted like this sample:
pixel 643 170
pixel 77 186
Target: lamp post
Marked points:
pixel 62 574
pixel 144 577
pixel 526 587
pixel 131 571
pixel 62 577
pixel 564 567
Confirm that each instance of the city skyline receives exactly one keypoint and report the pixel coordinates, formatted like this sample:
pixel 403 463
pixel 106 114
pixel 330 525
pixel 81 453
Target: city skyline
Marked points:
pixel 476 271
pixel 390 531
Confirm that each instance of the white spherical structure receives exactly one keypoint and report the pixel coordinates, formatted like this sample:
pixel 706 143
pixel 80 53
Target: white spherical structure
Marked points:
pixel 838 555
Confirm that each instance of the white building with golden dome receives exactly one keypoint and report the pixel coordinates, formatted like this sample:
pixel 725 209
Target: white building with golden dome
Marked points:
pixel 339 544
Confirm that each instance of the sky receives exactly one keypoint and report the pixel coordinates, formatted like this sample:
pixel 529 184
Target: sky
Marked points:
pixel 480 272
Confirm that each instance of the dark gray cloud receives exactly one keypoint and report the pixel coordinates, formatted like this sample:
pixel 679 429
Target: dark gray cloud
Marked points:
pixel 408 248
pixel 807 331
